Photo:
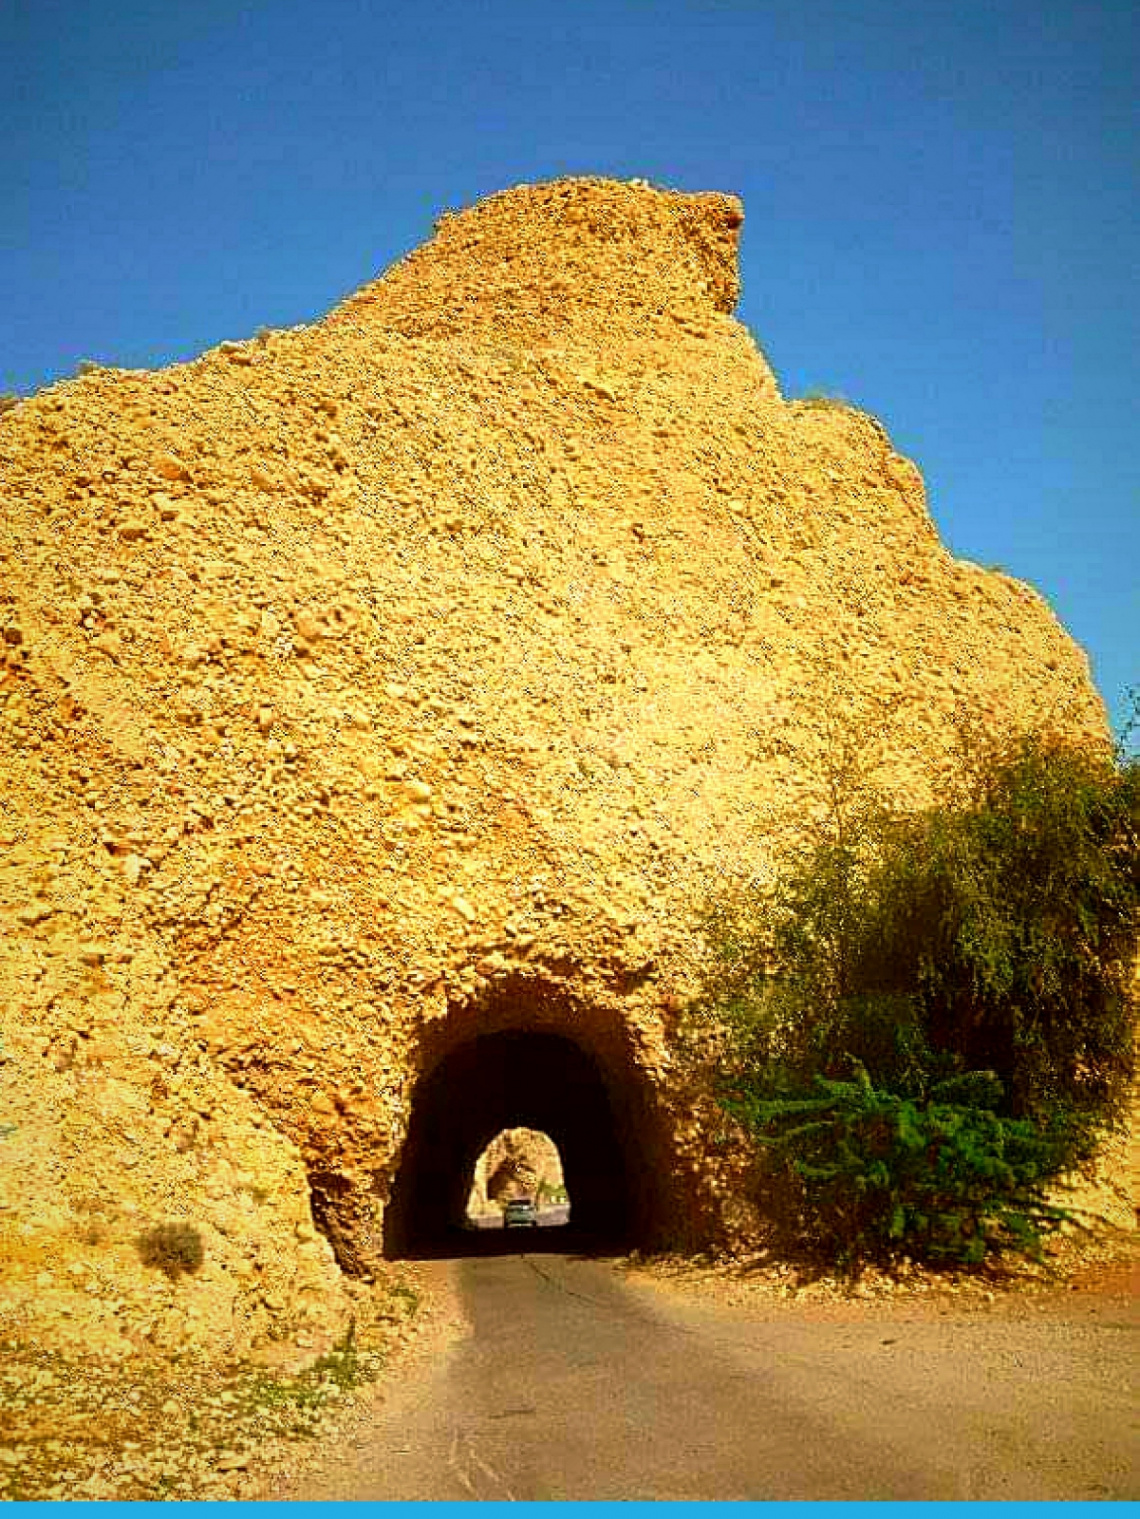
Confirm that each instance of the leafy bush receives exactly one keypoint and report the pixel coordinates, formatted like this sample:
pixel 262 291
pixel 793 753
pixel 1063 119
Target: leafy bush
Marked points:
pixel 175 1249
pixel 909 966
pixel 1015 921
pixel 943 1178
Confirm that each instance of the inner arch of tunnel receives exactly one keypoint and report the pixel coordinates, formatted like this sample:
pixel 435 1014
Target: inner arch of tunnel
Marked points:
pixel 521 1077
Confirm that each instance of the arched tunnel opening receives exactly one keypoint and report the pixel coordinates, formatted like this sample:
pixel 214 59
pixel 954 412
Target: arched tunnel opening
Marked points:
pixel 513 1079
pixel 518 1167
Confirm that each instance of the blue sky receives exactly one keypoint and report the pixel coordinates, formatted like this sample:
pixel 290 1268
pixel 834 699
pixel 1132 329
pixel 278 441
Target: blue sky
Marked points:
pixel 941 205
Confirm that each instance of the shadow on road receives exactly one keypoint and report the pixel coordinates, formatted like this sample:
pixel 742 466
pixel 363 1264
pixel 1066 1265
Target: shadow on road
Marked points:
pixel 553 1239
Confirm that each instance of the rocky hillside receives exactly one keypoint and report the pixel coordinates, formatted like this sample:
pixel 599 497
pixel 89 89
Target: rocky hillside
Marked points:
pixel 371 684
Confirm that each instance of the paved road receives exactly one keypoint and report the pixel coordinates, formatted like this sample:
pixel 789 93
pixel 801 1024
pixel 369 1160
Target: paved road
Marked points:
pixel 554 1216
pixel 574 1385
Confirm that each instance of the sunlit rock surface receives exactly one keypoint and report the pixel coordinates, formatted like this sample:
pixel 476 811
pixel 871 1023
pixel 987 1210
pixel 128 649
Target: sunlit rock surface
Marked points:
pixel 373 686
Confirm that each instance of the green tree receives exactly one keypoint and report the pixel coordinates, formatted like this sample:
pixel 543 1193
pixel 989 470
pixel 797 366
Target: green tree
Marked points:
pixel 929 1017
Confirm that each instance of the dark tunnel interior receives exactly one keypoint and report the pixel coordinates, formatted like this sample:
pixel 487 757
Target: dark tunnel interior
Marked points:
pixel 512 1079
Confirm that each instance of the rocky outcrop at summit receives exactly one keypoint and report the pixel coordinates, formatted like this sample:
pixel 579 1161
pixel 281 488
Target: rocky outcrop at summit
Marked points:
pixel 381 692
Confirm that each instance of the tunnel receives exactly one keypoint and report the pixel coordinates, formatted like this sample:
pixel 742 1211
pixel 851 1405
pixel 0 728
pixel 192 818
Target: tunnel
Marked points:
pixel 519 1078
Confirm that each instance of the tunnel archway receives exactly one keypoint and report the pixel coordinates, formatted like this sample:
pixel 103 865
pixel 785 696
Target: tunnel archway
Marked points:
pixel 516 1078
pixel 517 1163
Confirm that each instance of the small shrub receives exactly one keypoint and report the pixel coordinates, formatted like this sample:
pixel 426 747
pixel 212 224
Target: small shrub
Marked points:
pixel 819 400
pixel 407 1296
pixel 301 1398
pixel 342 1365
pixel 174 1249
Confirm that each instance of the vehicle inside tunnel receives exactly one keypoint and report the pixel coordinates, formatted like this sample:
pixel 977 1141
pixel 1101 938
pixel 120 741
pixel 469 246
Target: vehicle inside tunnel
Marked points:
pixel 512 1080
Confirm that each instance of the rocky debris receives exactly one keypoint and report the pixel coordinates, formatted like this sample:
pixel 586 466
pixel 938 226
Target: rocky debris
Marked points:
pixel 186 1426
pixel 1104 1265
pixel 377 683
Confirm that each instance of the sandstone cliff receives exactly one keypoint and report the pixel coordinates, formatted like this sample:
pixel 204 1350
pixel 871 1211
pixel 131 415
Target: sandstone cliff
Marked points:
pixel 378 684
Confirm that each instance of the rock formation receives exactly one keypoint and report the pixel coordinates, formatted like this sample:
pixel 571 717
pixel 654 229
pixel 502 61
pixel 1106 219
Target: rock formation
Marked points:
pixel 378 699
pixel 517 1163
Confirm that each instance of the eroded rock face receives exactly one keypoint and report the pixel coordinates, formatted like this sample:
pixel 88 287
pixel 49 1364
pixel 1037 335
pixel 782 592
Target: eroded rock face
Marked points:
pixel 379 684
pixel 517 1163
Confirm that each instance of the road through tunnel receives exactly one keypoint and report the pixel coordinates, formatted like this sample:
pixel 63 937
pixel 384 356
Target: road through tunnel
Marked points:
pixel 520 1078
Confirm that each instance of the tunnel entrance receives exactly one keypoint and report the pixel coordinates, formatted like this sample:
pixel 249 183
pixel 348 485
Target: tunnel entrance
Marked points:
pixel 511 1080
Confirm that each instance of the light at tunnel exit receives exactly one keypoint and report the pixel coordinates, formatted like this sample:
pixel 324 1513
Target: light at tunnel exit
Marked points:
pixel 522 1167
pixel 507 1081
